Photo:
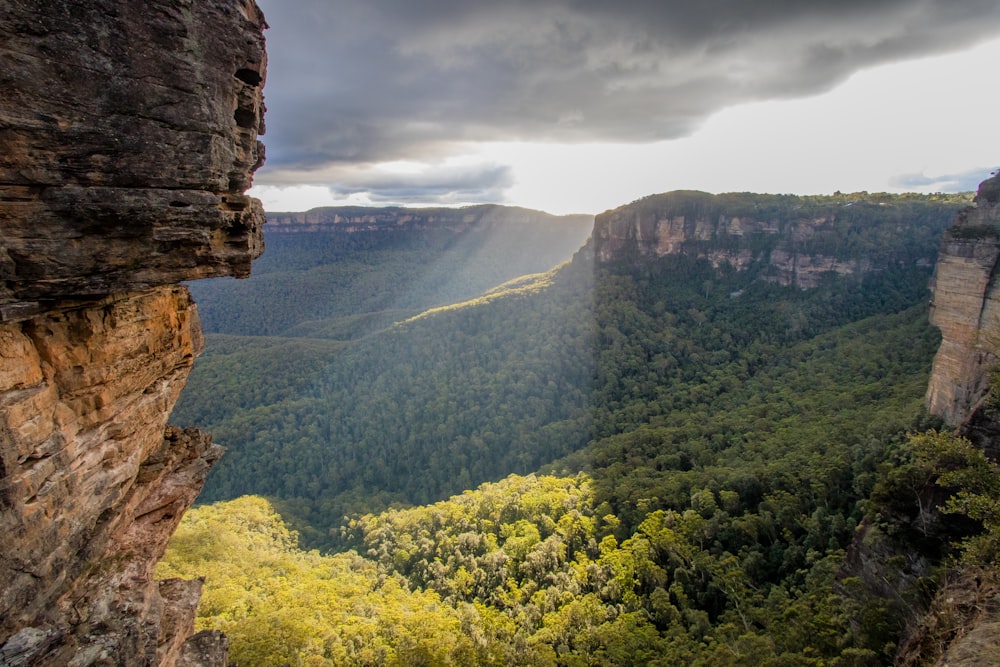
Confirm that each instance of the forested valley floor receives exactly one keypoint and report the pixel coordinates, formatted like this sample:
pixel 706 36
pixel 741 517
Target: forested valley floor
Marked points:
pixel 610 463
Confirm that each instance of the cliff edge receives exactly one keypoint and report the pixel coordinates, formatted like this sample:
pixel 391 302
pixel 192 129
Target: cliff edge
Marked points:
pixel 966 307
pixel 128 136
pixel 782 239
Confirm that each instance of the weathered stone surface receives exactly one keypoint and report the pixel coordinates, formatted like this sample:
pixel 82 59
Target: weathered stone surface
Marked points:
pixel 791 241
pixel 180 601
pixel 27 646
pixel 966 308
pixel 962 626
pixel 128 135
pixel 208 648
pixel 91 488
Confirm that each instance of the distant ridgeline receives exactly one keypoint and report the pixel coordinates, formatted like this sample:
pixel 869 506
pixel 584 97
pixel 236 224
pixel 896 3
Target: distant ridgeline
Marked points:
pixel 343 261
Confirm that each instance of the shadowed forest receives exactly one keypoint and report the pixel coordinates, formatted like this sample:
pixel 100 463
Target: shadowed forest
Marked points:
pixel 572 462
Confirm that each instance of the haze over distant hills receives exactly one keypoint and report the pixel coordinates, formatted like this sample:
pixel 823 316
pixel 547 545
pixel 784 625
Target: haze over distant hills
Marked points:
pixel 356 261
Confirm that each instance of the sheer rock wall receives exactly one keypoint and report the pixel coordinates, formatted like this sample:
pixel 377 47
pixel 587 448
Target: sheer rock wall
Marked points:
pixel 128 136
pixel 790 240
pixel 966 307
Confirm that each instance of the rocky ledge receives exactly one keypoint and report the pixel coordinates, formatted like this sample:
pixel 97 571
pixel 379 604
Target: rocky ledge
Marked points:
pixel 128 136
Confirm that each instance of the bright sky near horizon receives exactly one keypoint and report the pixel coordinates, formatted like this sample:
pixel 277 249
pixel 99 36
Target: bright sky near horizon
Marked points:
pixel 902 123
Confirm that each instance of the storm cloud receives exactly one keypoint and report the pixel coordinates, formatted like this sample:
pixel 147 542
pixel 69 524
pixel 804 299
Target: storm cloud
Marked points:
pixel 967 181
pixel 441 185
pixel 353 83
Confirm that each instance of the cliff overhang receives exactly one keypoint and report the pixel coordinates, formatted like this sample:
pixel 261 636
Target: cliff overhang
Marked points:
pixel 128 137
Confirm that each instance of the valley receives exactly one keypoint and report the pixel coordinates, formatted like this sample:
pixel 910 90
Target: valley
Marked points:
pixel 650 452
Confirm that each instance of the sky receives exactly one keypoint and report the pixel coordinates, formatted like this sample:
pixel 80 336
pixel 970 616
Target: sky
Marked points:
pixel 579 106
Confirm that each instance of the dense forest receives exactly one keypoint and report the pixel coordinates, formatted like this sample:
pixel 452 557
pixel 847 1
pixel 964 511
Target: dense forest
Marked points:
pixel 656 462
pixel 529 571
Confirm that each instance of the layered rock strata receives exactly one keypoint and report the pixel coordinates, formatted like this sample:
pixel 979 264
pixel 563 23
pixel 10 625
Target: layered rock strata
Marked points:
pixel 961 624
pixel 128 136
pixel 966 308
pixel 788 240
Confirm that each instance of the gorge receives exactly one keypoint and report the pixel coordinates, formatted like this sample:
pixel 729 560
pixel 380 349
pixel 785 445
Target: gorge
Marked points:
pixel 677 373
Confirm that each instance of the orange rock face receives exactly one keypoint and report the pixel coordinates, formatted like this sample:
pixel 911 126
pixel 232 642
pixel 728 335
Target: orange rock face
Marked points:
pixel 128 136
pixel 92 486
pixel 966 308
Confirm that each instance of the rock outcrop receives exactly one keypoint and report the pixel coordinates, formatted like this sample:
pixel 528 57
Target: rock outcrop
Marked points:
pixel 785 239
pixel 959 625
pixel 128 136
pixel 966 307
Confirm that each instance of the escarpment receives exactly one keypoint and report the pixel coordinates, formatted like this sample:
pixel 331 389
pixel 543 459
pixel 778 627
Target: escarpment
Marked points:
pixel 966 307
pixel 128 136
pixel 783 239
pixel 958 625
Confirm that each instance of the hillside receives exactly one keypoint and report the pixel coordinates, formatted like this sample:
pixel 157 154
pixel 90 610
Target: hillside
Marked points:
pixel 339 272
pixel 721 467
pixel 442 403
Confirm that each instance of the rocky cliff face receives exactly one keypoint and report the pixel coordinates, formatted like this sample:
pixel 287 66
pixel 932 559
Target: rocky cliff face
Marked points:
pixel 960 626
pixel 786 239
pixel 348 219
pixel 129 132
pixel 966 307
pixel 128 135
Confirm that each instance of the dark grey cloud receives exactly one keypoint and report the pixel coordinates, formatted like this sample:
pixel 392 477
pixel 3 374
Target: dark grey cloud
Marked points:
pixel 440 185
pixel 354 82
pixel 966 181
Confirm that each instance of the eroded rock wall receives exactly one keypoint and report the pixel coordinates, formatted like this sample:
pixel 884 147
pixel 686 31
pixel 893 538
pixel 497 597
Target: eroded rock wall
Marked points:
pixel 128 133
pixel 128 136
pixel 93 483
pixel 966 307
pixel 788 240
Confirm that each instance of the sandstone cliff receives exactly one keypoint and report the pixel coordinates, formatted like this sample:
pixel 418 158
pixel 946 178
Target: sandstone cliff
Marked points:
pixel 128 136
pixel 959 625
pixel 783 239
pixel 966 307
